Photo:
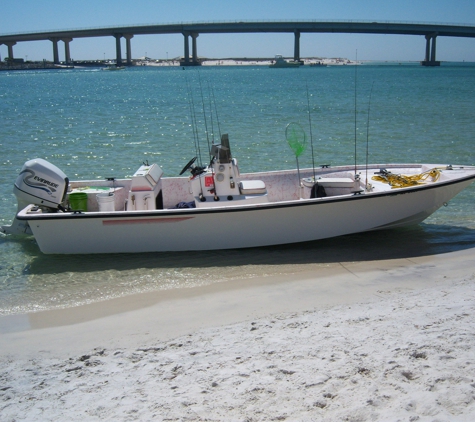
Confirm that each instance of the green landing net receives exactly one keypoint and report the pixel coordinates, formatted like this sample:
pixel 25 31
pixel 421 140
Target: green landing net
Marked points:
pixel 297 141
pixel 296 138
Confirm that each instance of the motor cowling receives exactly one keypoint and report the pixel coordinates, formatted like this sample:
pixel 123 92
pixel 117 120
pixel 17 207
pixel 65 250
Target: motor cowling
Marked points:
pixel 41 183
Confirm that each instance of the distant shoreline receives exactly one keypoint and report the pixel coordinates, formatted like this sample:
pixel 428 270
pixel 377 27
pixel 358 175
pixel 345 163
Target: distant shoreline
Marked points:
pixel 177 62
pixel 309 61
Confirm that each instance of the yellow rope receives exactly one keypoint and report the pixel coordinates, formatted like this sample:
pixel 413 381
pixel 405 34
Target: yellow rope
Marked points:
pixel 401 181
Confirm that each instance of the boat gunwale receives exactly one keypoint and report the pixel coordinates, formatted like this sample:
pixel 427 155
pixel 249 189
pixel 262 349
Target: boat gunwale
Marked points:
pixel 171 212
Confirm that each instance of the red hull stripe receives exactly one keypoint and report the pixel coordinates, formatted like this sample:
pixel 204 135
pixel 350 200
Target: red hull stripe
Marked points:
pixel 119 221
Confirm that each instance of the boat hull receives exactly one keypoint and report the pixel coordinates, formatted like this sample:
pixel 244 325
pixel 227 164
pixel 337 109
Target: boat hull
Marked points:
pixel 233 227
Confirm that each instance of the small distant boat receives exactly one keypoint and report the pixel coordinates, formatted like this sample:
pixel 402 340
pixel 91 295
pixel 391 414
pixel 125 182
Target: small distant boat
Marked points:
pixel 64 66
pixel 318 64
pixel 113 67
pixel 279 61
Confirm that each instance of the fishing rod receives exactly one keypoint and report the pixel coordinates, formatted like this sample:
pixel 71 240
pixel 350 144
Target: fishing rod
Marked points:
pixel 216 112
pixel 311 136
pixel 193 121
pixel 211 113
pixel 204 112
pixel 368 185
pixel 195 133
pixel 216 197
pixel 356 78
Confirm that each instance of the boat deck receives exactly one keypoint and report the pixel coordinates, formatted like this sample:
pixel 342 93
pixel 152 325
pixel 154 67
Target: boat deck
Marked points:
pixel 280 185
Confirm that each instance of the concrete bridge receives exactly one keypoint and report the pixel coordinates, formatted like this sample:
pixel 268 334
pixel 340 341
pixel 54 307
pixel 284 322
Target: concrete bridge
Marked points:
pixel 192 30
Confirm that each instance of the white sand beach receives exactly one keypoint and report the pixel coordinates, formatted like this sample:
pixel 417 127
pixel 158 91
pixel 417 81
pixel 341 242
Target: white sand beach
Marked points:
pixel 309 61
pixel 382 340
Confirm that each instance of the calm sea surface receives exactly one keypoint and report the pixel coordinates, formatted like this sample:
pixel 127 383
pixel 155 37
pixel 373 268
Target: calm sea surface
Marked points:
pixel 95 124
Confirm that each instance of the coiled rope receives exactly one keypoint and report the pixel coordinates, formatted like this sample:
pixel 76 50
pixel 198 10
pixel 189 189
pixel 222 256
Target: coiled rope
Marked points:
pixel 401 181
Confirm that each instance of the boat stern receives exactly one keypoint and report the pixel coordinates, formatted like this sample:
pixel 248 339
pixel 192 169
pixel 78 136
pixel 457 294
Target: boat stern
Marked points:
pixel 18 227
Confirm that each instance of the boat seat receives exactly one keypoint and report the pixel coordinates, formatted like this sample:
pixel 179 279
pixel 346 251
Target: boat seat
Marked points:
pixel 252 187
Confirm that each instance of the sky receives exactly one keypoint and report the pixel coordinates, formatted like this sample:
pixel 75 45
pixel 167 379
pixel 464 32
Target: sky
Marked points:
pixel 18 16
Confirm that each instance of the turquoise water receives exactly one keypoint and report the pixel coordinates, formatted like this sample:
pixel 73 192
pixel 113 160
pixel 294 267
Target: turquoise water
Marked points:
pixel 95 124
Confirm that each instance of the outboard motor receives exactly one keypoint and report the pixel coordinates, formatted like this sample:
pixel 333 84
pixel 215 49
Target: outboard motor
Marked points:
pixel 41 183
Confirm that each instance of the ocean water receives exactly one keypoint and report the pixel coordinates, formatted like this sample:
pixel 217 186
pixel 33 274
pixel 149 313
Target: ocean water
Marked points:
pixel 95 124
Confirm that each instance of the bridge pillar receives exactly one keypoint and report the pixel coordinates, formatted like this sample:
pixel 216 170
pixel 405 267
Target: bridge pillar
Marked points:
pixel 297 46
pixel 186 56
pixel 426 58
pixel 195 60
pixel 429 58
pixel 10 45
pixel 67 54
pixel 118 52
pixel 55 50
pixel 432 51
pixel 128 37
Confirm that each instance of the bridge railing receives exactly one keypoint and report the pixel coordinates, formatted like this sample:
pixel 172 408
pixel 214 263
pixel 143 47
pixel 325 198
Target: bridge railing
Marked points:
pixel 246 21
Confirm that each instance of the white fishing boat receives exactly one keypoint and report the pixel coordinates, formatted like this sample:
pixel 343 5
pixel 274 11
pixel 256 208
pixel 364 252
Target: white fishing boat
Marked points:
pixel 279 61
pixel 217 207
pixel 113 67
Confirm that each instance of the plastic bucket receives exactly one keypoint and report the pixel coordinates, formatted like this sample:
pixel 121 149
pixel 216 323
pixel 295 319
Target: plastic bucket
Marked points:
pixel 106 202
pixel 78 201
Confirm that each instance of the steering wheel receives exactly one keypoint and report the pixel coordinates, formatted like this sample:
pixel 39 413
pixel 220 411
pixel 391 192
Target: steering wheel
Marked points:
pixel 188 165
